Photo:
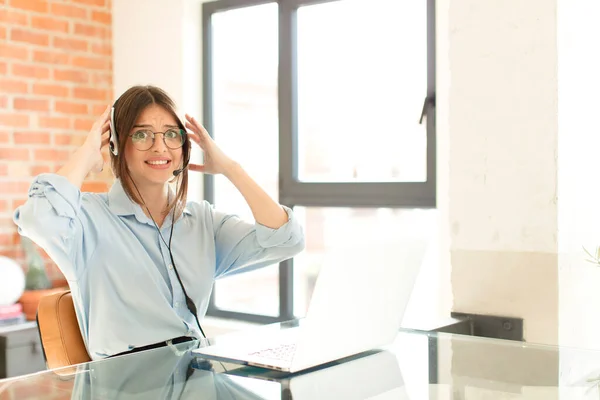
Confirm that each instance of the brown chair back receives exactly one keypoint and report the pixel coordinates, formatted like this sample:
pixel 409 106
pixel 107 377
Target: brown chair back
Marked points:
pixel 59 331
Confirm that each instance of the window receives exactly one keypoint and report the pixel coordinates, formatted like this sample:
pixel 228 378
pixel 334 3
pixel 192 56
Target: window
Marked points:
pixel 350 128
pixel 330 106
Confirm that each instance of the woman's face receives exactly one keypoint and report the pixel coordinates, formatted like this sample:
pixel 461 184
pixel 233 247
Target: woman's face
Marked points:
pixel 153 162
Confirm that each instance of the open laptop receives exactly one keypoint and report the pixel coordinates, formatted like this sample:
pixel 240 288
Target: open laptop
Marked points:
pixel 357 305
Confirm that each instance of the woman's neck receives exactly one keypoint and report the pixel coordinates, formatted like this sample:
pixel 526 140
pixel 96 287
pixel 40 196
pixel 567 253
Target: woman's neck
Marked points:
pixel 156 199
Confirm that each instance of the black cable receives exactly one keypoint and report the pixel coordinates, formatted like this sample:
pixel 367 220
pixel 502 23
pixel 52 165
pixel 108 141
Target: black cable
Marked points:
pixel 188 301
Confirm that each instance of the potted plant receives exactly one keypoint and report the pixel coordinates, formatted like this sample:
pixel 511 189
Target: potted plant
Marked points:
pixel 37 283
pixel 593 258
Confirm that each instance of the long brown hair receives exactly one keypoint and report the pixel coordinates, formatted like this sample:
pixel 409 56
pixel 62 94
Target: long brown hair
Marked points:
pixel 128 108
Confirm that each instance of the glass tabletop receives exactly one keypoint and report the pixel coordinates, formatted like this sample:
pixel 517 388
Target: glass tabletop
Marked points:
pixel 417 365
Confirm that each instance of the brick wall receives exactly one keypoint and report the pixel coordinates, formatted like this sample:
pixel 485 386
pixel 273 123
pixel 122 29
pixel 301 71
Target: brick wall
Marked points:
pixel 55 79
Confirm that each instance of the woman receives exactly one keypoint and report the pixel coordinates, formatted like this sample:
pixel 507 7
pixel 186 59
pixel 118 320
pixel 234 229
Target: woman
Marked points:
pixel 139 280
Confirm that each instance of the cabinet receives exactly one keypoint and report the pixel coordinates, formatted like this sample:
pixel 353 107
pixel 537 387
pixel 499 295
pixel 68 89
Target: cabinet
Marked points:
pixel 20 350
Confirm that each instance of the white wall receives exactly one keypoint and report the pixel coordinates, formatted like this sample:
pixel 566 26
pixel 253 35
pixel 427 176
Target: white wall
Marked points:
pixel 518 102
pixel 148 46
pixel 501 149
pixel 579 164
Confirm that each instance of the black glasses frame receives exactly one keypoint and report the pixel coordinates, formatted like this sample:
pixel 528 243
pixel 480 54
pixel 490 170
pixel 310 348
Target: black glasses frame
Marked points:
pixel 153 134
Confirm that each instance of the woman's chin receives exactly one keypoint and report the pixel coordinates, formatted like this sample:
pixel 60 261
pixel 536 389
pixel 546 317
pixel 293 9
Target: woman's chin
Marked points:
pixel 158 177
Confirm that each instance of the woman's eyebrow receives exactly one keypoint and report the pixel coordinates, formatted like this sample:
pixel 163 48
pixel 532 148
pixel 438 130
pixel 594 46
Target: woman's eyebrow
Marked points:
pixel 152 126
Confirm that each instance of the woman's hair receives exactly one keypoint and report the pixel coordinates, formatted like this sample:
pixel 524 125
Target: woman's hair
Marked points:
pixel 128 108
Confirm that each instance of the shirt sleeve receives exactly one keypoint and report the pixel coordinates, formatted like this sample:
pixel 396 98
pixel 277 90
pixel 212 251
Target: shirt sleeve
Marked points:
pixel 51 218
pixel 242 246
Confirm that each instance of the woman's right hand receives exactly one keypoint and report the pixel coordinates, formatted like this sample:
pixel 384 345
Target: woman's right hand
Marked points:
pixel 97 138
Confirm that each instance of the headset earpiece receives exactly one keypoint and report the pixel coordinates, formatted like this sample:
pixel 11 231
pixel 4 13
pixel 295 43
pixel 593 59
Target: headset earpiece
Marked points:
pixel 113 142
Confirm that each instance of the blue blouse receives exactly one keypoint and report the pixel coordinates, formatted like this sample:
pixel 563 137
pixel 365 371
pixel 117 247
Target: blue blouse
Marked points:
pixel 124 288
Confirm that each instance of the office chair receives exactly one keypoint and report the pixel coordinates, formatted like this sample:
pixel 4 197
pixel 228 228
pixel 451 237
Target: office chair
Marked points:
pixel 61 339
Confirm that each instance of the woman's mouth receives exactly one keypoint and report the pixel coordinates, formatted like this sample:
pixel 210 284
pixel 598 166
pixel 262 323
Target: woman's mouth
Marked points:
pixel 158 164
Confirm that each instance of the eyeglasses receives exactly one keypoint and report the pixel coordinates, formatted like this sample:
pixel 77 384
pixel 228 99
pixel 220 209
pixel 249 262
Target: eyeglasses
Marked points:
pixel 144 139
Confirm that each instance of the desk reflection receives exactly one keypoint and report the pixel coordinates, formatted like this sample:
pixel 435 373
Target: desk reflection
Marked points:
pixel 164 373
pixel 176 373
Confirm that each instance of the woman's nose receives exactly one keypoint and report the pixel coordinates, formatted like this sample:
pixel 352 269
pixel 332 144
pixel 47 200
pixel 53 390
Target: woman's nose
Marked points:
pixel 159 143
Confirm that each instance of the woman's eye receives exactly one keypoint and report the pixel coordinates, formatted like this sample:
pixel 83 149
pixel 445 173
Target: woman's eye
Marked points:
pixel 171 134
pixel 140 135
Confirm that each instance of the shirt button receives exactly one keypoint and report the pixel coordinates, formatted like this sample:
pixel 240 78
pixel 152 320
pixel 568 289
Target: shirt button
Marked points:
pixel 170 267
pixel 176 304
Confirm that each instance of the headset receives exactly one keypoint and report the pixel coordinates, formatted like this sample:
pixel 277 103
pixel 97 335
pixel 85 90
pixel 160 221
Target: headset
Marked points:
pixel 113 143
pixel 114 149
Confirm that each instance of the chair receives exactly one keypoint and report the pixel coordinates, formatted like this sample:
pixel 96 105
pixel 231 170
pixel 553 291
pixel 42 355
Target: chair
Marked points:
pixel 61 339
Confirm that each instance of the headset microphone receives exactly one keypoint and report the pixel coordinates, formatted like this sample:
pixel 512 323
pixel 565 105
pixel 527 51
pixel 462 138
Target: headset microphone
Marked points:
pixel 180 170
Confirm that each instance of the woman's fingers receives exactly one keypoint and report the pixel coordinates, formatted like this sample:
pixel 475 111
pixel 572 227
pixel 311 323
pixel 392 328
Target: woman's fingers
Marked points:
pixel 105 115
pixel 102 123
pixel 195 125
pixel 194 136
pixel 196 167
pixel 191 126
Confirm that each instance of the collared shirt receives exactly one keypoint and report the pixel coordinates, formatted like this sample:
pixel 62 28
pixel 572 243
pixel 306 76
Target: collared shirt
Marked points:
pixel 124 286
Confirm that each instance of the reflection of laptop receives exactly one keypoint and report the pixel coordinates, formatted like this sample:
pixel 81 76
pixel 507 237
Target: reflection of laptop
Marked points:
pixel 357 305
pixel 375 375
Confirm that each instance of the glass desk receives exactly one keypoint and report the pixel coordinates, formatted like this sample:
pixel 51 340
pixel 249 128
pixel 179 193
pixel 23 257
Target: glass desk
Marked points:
pixel 418 365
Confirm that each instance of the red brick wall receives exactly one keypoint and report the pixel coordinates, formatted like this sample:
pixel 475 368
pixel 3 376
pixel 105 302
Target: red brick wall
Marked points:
pixel 55 79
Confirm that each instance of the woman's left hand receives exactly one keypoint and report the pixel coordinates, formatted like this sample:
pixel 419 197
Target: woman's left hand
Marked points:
pixel 215 161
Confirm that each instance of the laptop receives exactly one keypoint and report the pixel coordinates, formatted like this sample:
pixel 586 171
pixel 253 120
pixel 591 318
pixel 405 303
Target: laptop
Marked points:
pixel 357 305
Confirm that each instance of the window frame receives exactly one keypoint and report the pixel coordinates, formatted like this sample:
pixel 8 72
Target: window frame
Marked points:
pixel 292 191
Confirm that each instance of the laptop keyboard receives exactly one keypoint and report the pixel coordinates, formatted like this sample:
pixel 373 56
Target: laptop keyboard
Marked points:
pixel 283 352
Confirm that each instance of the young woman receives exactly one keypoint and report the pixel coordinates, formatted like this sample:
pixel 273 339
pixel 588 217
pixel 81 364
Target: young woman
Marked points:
pixel 140 259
